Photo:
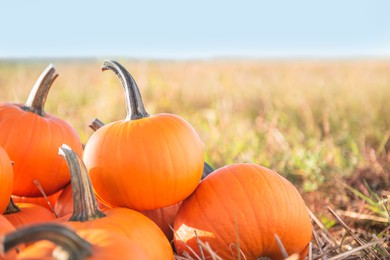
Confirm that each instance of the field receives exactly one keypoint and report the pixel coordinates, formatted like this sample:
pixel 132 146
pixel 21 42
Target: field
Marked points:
pixel 324 125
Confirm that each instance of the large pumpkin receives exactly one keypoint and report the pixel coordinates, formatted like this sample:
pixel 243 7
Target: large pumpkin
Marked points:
pixel 6 179
pixel 244 208
pixel 145 161
pixel 31 138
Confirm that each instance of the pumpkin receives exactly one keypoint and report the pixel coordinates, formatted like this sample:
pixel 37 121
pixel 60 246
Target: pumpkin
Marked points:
pixel 129 223
pixel 54 241
pixel 48 202
pixel 244 208
pixel 6 179
pixel 6 227
pixel 164 216
pixel 145 161
pixel 31 138
pixel 23 214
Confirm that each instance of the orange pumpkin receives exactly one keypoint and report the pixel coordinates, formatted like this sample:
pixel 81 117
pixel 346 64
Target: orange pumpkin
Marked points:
pixel 129 223
pixel 48 202
pixel 147 161
pixel 53 240
pixel 243 208
pixel 6 227
pixel 6 179
pixel 23 214
pixel 31 138
pixel 164 216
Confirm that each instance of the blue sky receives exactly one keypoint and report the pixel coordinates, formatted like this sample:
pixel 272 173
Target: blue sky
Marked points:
pixel 194 29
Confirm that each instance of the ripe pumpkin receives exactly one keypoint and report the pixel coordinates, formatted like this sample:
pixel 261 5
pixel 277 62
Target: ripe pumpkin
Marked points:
pixel 48 202
pixel 129 223
pixel 23 214
pixel 6 227
pixel 51 240
pixel 244 206
pixel 164 216
pixel 31 138
pixel 145 161
pixel 6 179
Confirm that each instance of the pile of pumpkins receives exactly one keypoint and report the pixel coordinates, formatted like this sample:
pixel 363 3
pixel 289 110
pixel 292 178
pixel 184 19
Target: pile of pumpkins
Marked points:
pixel 137 190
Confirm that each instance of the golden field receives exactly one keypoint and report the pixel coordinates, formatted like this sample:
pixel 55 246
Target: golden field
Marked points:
pixel 325 125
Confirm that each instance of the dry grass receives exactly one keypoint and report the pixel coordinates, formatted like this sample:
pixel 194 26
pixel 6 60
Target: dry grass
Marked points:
pixel 322 124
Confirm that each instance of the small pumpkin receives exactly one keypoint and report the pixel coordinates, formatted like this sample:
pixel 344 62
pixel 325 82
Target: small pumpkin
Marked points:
pixel 51 241
pixel 6 179
pixel 31 138
pixel 148 161
pixel 242 209
pixel 86 215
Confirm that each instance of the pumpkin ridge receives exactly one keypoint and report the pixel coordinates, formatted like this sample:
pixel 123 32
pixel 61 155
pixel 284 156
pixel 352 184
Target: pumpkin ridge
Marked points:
pixel 256 214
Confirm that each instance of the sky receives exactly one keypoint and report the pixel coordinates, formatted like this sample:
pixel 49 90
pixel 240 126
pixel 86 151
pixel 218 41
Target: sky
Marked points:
pixel 194 29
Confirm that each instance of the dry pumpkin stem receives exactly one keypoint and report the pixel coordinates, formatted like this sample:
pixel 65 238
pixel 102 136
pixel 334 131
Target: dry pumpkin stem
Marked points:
pixel 11 208
pixel 39 186
pixel 96 124
pixel 67 239
pixel 134 104
pixel 85 203
pixel 36 100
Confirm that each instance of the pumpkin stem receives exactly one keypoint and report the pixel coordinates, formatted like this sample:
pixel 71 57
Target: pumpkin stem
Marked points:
pixel 36 100
pixel 11 208
pixel 75 246
pixel 85 203
pixel 96 124
pixel 134 105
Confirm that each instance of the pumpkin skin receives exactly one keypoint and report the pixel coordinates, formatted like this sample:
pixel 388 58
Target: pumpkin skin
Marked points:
pixel 6 179
pixel 6 227
pixel 143 162
pixel 31 138
pixel 248 202
pixel 91 244
pixel 164 218
pixel 29 213
pixel 42 201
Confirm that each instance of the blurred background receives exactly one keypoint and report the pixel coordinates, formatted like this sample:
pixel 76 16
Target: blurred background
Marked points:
pixel 201 29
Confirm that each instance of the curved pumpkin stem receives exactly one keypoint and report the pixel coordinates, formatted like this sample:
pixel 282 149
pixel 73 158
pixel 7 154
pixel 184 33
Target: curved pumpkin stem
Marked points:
pixel 85 203
pixel 36 100
pixel 73 244
pixel 11 208
pixel 134 104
